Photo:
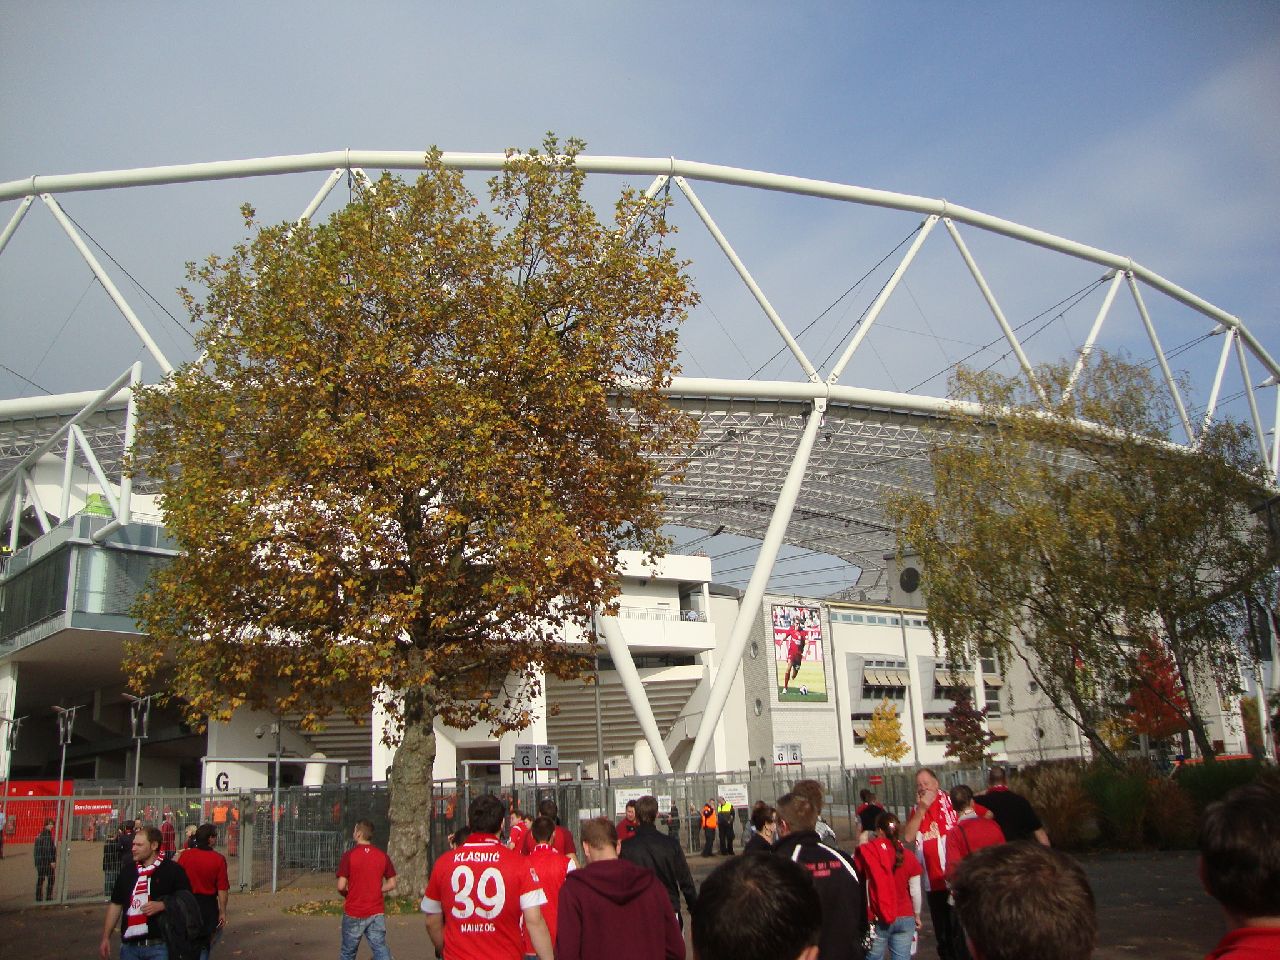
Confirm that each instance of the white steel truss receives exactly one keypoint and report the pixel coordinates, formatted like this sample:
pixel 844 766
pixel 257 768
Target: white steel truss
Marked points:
pixel 805 462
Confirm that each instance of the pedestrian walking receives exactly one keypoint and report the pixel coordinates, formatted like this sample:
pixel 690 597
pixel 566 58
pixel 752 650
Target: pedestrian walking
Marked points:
pixel 930 822
pixel 365 876
pixel 45 854
pixel 892 875
pixel 138 897
pixel 764 820
pixel 551 867
pixel 206 869
pixel 1012 811
pixel 648 848
pixel 479 892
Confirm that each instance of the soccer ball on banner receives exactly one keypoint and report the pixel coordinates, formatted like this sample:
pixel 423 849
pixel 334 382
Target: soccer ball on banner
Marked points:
pixel 804 691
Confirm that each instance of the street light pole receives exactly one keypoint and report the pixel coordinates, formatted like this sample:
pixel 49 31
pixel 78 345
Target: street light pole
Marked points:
pixel 275 814
pixel 66 723
pixel 139 718
pixel 11 744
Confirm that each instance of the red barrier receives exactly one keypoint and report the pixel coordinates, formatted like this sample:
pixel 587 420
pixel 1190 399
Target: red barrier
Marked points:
pixel 30 803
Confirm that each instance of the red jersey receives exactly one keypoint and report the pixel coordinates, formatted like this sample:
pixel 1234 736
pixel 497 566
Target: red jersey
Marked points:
pixel 968 835
pixel 626 829
pixel 518 832
pixel 365 867
pixel 206 869
pixel 550 866
pixel 482 889
pixel 561 840
pixel 888 887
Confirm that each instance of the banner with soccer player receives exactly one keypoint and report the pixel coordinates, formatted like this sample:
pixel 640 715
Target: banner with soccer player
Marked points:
pixel 797 654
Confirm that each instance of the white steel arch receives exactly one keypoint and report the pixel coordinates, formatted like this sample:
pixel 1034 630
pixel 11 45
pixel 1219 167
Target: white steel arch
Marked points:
pixel 805 461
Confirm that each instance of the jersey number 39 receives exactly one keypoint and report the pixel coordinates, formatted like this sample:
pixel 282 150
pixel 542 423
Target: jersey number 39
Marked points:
pixel 490 890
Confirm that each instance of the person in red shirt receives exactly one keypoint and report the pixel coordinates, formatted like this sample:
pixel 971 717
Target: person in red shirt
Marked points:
pixel 551 867
pixel 563 839
pixel 627 825
pixel 517 831
pixel 1240 868
pixel 892 874
pixel 365 876
pixel 971 832
pixel 479 892
pixel 206 868
pixel 927 827
pixel 168 836
pixel 795 654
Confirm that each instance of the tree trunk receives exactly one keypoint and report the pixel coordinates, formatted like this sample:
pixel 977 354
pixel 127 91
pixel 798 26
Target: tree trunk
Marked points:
pixel 1193 710
pixel 410 785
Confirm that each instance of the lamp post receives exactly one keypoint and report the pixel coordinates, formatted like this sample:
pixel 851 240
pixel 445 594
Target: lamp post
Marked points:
pixel 275 800
pixel 10 744
pixel 139 718
pixel 66 723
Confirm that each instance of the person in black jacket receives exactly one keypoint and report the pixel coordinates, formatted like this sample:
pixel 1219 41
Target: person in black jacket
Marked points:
pixel 661 854
pixel 45 854
pixel 138 896
pixel 840 890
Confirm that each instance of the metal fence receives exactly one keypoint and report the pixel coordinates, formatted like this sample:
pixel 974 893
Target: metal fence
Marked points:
pixel 312 826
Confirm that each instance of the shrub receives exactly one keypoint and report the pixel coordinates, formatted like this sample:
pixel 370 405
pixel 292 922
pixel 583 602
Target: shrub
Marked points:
pixel 1123 799
pixel 1056 792
pixel 1207 782
pixel 1174 820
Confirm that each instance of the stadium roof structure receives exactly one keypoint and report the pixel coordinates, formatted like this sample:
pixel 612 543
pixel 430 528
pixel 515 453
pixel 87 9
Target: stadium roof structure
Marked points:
pixel 806 462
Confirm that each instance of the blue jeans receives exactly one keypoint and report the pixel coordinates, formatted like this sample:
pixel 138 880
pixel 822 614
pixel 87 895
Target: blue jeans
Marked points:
pixel 150 951
pixel 895 936
pixel 373 929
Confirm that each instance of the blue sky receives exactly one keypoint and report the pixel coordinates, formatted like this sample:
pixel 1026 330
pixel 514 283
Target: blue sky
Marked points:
pixel 1150 129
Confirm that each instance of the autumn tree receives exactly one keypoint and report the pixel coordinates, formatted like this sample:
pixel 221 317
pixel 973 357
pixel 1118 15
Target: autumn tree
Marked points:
pixel 1158 706
pixel 1064 528
pixel 420 436
pixel 884 734
pixel 967 735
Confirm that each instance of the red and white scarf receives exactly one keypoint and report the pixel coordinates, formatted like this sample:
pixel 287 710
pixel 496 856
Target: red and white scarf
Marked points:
pixel 135 920
pixel 937 822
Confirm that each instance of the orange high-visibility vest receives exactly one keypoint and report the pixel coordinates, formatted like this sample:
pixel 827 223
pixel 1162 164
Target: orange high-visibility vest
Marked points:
pixel 708 817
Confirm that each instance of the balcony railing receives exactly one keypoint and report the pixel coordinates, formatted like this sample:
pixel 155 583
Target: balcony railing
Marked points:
pixel 663 614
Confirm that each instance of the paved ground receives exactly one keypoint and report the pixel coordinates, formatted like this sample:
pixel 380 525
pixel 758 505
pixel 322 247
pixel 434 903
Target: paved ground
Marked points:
pixel 1150 905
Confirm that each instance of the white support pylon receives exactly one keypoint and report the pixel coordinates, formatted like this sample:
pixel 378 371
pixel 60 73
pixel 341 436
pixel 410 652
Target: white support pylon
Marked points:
pixel 749 609
pixel 620 653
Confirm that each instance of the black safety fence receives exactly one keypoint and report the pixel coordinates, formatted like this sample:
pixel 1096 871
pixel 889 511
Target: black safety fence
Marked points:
pixel 270 845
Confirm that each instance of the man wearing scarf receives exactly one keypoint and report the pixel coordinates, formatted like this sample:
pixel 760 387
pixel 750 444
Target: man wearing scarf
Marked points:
pixel 930 822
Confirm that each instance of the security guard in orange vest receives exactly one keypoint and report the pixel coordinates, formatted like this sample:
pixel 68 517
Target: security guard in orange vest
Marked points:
pixel 708 826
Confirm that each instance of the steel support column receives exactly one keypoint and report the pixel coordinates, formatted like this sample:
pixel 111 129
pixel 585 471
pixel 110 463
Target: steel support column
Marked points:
pixel 749 609
pixel 620 653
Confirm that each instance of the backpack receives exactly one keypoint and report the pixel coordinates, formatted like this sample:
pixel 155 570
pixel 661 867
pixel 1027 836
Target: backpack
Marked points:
pixel 184 926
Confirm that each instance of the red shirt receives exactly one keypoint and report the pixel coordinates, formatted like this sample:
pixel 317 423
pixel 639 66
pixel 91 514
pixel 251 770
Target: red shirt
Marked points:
pixel 168 838
pixel 1248 943
pixel 365 867
pixel 518 831
pixel 550 866
pixel 562 840
pixel 206 869
pixel 888 887
pixel 968 835
pixel 626 829
pixel 482 889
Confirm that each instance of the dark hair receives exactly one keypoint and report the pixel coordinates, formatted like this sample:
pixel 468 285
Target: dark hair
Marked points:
pixel 485 814
pixel 204 836
pixel 153 835
pixel 866 795
pixel 997 776
pixel 647 809
pixel 599 833
pixel 796 810
pixel 460 836
pixel 543 829
pixel 548 808
pixel 888 824
pixel 761 814
pixel 1240 850
pixel 756 907
pixel 1019 900
pixel 811 790
pixel 961 796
